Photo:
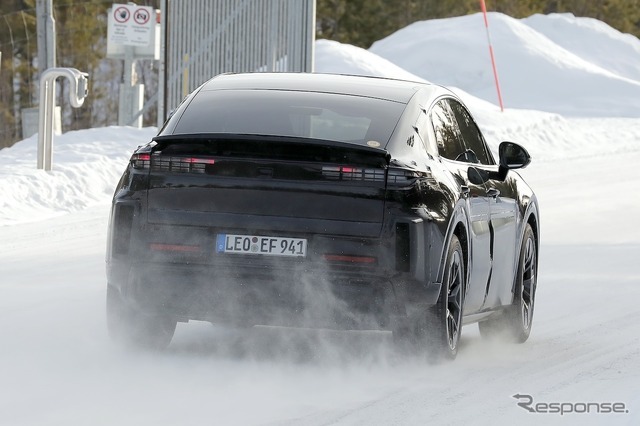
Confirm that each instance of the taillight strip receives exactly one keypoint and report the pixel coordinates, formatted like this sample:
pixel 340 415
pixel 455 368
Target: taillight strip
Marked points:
pixel 401 176
pixel 349 258
pixel 141 161
pixel 352 173
pixel 163 163
pixel 174 247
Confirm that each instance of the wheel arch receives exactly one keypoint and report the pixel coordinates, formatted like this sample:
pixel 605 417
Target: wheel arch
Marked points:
pixel 459 227
pixel 534 222
pixel 532 219
pixel 461 232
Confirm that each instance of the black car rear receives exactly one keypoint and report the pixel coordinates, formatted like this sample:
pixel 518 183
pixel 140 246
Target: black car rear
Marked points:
pixel 277 228
pixel 322 201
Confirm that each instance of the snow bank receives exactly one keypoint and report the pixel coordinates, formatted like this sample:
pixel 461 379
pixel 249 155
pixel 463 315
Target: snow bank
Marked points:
pixel 87 165
pixel 534 71
pixel 334 57
pixel 592 40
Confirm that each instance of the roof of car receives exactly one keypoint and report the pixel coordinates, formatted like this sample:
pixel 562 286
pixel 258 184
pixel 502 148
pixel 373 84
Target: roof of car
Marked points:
pixel 374 87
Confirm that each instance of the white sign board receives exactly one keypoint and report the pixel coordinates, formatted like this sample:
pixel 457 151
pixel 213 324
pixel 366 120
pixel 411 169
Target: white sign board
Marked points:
pixel 130 25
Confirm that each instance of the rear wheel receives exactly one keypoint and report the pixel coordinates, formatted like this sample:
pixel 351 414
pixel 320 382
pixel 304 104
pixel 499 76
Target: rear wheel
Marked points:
pixel 136 329
pixel 438 331
pixel 444 319
pixel 514 323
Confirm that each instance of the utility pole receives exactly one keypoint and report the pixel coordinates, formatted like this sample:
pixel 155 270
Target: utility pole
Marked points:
pixel 46 27
pixel 46 38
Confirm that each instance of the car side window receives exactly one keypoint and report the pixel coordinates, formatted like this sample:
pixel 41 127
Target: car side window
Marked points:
pixel 470 133
pixel 446 131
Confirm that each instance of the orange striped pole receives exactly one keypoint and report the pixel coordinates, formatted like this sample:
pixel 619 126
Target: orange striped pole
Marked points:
pixel 493 60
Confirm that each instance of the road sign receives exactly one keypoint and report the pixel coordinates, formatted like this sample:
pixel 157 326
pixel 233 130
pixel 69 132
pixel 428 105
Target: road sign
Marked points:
pixel 130 25
pixel 141 16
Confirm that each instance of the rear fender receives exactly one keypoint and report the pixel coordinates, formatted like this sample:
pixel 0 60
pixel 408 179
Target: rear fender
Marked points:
pixel 459 217
pixel 531 211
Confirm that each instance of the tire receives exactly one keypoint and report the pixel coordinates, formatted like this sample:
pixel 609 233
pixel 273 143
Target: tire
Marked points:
pixel 132 328
pixel 514 323
pixel 444 319
pixel 437 333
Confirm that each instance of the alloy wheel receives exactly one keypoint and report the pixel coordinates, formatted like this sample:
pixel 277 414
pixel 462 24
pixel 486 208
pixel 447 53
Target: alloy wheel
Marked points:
pixel 528 283
pixel 454 299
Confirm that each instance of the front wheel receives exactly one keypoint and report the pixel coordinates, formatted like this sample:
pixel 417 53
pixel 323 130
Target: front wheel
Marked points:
pixel 514 323
pixel 136 329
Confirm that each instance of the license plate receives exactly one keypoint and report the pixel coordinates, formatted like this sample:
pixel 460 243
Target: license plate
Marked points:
pixel 255 244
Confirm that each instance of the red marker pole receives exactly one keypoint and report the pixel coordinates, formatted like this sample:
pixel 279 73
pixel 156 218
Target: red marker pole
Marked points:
pixel 493 61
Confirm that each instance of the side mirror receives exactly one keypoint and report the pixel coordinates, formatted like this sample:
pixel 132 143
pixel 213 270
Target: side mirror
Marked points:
pixel 513 156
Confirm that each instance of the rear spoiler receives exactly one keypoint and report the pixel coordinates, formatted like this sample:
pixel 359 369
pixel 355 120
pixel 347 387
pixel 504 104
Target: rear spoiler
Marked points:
pixel 225 144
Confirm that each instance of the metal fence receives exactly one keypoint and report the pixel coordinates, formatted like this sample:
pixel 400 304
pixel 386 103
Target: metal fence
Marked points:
pixel 204 38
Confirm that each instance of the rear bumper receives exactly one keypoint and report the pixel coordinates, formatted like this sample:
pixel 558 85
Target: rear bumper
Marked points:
pixel 254 289
pixel 253 294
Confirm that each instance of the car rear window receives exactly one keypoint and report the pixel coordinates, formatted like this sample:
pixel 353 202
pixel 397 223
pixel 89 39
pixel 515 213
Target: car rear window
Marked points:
pixel 315 115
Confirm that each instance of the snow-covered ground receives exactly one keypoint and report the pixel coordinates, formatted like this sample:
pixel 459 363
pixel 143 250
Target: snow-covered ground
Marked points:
pixel 576 84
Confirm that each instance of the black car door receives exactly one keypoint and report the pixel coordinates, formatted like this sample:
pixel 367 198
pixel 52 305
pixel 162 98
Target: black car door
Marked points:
pixel 502 196
pixel 504 212
pixel 454 156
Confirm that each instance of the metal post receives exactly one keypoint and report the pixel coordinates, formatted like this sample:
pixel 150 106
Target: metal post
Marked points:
pixel 310 37
pixel 46 28
pixel 50 106
pixel 44 132
pixel 162 83
pixel 51 36
pixel 126 100
pixel 78 89
pixel 131 94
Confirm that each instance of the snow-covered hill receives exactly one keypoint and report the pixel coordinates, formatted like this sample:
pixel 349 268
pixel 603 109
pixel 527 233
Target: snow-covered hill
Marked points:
pixel 578 116
pixel 540 66
pixel 592 40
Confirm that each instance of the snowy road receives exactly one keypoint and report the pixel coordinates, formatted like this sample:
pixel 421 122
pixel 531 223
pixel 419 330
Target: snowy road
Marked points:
pixel 58 368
